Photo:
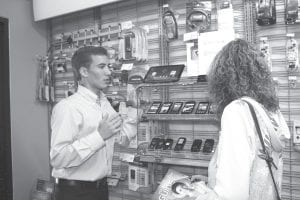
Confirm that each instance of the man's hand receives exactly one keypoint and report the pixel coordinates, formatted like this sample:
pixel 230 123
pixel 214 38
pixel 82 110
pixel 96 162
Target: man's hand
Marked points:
pixel 109 126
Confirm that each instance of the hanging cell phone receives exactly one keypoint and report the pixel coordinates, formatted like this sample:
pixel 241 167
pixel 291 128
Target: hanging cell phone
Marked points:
pixel 180 144
pixel 196 146
pixel 208 146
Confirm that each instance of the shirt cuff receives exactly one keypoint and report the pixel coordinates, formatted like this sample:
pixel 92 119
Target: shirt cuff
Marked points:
pixel 95 140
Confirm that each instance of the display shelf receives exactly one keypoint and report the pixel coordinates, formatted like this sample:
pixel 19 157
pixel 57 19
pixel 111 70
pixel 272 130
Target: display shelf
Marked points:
pixel 175 161
pixel 186 158
pixel 181 117
pixel 192 80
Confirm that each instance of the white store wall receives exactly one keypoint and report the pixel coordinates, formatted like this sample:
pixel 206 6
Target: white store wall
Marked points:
pixel 29 118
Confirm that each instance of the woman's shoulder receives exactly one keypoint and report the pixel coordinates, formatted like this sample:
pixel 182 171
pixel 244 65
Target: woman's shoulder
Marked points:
pixel 236 105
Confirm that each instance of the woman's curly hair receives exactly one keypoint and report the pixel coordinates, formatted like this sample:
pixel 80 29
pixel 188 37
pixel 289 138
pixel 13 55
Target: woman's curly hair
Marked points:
pixel 238 70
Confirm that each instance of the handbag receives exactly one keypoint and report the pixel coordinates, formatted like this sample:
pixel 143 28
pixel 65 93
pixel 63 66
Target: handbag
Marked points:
pixel 267 157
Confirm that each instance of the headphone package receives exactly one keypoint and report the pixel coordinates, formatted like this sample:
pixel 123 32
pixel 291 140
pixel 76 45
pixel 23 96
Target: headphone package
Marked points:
pixel 199 16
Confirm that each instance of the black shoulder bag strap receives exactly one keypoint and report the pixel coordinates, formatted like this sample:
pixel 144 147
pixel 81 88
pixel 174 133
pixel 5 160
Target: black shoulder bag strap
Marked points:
pixel 268 158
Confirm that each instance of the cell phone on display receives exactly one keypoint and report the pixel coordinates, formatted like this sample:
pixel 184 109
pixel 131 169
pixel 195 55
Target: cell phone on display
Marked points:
pixel 175 109
pixel 168 144
pixel 154 143
pixel 165 107
pixel 208 146
pixel 202 108
pixel 212 108
pixel 196 146
pixel 154 108
pixel 160 143
pixel 188 107
pixel 180 144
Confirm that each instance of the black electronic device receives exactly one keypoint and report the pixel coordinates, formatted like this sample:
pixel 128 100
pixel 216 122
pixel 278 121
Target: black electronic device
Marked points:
pixel 154 143
pixel 154 108
pixel 180 144
pixel 164 74
pixel 168 144
pixel 202 108
pixel 208 146
pixel 175 109
pixel 188 107
pixel 164 109
pixel 196 146
pixel 160 143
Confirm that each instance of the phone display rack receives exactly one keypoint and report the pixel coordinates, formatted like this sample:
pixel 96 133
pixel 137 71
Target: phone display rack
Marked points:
pixel 190 126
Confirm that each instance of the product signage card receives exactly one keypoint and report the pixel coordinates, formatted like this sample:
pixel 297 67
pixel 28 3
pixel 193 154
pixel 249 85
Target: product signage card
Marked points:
pixel 209 44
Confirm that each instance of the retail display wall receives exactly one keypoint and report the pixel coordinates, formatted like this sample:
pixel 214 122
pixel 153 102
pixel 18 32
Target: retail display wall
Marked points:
pixel 78 29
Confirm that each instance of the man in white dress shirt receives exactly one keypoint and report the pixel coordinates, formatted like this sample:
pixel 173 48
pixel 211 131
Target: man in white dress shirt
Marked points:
pixel 84 130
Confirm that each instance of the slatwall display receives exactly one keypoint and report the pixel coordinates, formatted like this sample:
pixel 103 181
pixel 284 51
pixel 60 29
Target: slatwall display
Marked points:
pixel 147 14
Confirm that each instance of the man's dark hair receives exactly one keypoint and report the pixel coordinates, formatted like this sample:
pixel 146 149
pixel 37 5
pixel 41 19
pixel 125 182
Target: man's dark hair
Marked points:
pixel 82 58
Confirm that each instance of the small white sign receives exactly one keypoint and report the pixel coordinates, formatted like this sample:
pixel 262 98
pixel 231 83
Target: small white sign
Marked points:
pixel 126 25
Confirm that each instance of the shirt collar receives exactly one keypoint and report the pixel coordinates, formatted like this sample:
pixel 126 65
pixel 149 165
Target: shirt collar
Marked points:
pixel 85 92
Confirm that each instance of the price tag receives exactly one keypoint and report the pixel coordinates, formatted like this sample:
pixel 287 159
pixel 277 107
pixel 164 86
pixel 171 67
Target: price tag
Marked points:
pixel 127 66
pixel 126 25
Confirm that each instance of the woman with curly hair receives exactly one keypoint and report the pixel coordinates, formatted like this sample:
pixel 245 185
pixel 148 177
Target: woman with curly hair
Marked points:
pixel 238 170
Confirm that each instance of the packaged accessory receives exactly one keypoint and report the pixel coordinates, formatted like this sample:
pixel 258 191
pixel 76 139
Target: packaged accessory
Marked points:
pixel 266 12
pixel 199 17
pixel 170 25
